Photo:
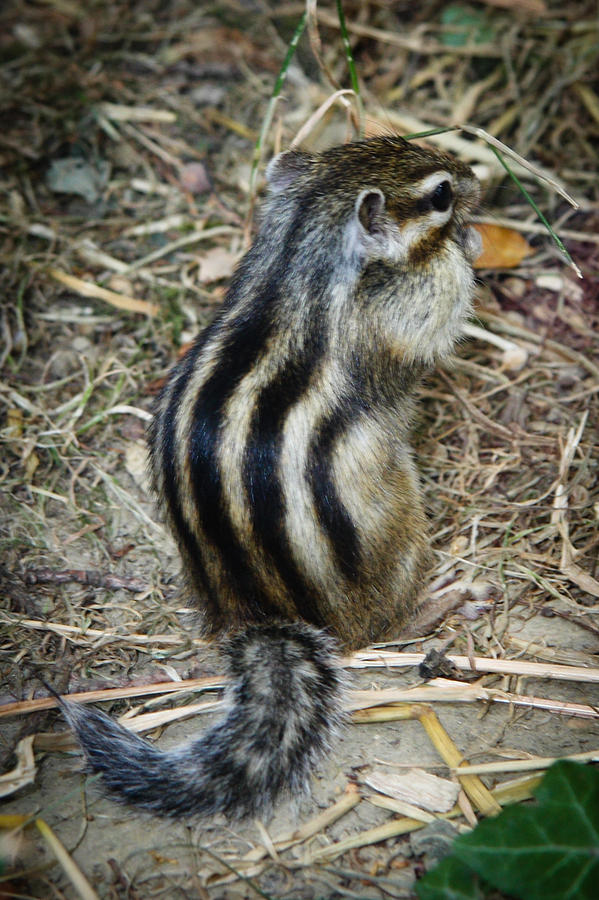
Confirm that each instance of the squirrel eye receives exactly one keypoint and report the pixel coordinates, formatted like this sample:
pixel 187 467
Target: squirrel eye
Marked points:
pixel 442 196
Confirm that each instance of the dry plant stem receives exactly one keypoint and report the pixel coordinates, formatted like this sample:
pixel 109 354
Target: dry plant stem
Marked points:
pixel 121 113
pixel 474 412
pixel 559 350
pixel 482 334
pixel 480 796
pixel 508 792
pixel 327 817
pixel 535 228
pixel 107 580
pixel 539 173
pixel 560 519
pixel 251 862
pixel 398 711
pixel 359 660
pixel 417 44
pixel 365 706
pixel 525 765
pixel 152 146
pixel 477 664
pixel 443 691
pixel 320 112
pixel 149 721
pixel 87 289
pixel 144 690
pixel 403 809
pixel 395 828
pixel 316 44
pixel 185 241
pixel 440 690
pixel 85 636
pixel 71 869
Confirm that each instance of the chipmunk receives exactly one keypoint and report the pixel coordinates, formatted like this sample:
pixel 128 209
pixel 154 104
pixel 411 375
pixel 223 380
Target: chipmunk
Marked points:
pixel 280 452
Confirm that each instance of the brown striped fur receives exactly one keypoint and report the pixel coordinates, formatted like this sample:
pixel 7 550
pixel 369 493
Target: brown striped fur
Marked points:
pixel 341 318
pixel 280 454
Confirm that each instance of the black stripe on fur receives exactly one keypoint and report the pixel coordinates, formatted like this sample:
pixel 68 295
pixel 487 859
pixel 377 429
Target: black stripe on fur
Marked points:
pixel 262 477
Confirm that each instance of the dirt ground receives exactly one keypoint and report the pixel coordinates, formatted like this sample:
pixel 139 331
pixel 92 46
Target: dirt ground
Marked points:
pixel 128 132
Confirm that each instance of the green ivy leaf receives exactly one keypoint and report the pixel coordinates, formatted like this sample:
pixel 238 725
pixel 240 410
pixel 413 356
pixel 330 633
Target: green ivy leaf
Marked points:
pixel 545 851
pixel 450 880
pixel 469 24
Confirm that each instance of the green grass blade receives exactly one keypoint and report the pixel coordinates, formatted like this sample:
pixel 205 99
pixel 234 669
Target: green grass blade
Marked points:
pixel 425 134
pixel 352 67
pixel 529 199
pixel 273 100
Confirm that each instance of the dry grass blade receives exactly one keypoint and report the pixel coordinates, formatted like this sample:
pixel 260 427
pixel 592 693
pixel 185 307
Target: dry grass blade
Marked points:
pixel 313 826
pixel 149 721
pixel 78 880
pixel 480 796
pixel 121 113
pixel 87 289
pixel 171 687
pixel 371 706
pixel 559 514
pixel 509 792
pixel 70 868
pixel 478 664
pixel 376 835
pixel 525 765
pixel 415 43
pixel 93 636
pixel 522 162
pixel 401 808
pixel 316 116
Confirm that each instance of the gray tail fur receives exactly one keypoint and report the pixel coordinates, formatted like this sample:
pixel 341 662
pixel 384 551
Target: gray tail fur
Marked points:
pixel 284 706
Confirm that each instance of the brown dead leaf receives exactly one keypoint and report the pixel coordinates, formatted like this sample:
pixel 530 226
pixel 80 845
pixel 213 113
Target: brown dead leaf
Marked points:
pixel 217 263
pixel 194 178
pixel 416 787
pixel 503 248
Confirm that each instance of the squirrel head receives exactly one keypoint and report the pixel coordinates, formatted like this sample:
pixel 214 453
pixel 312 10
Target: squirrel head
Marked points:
pixel 395 200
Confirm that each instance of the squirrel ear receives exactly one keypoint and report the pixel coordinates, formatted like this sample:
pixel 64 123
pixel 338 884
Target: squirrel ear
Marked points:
pixel 285 168
pixel 369 208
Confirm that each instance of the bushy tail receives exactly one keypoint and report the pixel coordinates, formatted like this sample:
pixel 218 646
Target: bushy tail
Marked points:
pixel 284 705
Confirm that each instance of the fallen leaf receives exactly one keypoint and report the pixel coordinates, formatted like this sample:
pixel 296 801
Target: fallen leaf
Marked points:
pixel 217 263
pixel 194 178
pixel 76 176
pixel 136 463
pixel 503 248
pixel 417 787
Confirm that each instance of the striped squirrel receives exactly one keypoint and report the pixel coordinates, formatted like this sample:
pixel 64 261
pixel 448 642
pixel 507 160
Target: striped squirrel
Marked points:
pixel 279 450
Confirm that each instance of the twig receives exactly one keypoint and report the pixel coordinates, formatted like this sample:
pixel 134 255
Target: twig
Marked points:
pixel 112 582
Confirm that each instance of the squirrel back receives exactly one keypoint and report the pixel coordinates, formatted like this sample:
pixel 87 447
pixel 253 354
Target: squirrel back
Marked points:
pixel 280 452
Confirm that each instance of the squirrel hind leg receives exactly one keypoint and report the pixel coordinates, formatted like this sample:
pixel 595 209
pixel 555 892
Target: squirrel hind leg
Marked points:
pixel 284 707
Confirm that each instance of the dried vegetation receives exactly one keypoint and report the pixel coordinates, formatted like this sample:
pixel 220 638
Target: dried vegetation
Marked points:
pixel 128 131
